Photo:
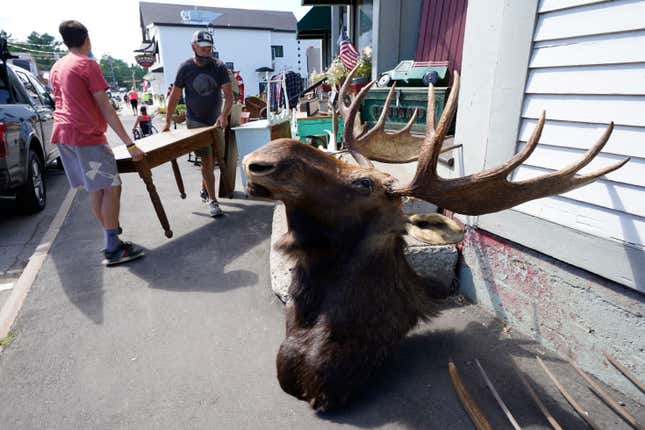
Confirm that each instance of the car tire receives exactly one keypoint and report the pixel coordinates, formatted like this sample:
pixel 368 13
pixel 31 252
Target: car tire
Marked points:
pixel 384 81
pixel 430 78
pixel 32 197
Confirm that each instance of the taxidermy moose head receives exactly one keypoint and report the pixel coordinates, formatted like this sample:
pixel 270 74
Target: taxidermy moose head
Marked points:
pixel 353 295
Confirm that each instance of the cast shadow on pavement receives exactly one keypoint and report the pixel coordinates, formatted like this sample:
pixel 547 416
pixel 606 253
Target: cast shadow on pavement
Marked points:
pixel 202 260
pixel 414 388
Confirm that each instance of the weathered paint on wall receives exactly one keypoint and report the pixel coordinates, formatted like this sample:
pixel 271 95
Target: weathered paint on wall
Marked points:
pixel 567 309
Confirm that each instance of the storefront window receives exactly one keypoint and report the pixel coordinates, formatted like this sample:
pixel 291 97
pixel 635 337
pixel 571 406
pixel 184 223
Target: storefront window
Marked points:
pixel 363 24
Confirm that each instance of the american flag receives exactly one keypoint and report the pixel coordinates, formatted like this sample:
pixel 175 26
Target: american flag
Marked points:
pixel 348 54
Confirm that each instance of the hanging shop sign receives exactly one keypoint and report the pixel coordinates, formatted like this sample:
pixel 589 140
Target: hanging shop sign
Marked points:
pixel 145 60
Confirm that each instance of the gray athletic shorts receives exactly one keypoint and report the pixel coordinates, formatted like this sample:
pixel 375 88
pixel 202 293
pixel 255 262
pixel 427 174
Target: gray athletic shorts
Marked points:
pixel 92 167
pixel 207 150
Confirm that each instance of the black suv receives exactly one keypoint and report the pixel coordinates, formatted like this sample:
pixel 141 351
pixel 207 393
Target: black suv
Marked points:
pixel 26 122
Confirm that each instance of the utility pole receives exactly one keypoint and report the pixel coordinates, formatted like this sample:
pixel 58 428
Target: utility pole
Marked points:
pixel 133 80
pixel 114 83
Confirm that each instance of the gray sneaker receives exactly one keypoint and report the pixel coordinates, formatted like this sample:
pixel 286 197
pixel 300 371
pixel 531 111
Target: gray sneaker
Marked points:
pixel 214 209
pixel 127 251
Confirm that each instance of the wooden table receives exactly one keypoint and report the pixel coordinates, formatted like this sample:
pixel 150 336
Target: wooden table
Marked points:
pixel 164 147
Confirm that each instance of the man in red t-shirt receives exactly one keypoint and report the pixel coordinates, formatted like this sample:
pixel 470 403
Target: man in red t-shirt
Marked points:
pixel 82 113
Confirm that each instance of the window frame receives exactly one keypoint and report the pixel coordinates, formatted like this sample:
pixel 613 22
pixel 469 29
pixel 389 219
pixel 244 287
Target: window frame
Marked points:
pixel 26 84
pixel 275 49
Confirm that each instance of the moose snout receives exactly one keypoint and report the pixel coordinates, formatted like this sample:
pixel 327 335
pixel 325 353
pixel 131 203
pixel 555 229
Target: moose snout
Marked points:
pixel 257 167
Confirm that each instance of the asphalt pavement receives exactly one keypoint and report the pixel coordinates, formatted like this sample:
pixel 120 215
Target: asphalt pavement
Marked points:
pixel 186 338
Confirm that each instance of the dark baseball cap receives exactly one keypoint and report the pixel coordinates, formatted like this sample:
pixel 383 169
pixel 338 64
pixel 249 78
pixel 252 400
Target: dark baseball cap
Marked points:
pixel 202 38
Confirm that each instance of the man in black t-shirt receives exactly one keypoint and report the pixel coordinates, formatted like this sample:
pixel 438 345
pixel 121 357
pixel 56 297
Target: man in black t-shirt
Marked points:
pixel 203 79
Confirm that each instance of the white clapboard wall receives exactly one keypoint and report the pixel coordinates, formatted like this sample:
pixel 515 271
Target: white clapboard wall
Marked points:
pixel 587 68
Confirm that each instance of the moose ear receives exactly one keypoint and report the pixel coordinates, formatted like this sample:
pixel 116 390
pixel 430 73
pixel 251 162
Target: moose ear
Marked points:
pixel 434 229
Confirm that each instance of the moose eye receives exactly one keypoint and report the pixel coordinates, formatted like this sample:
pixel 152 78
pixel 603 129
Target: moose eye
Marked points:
pixel 366 185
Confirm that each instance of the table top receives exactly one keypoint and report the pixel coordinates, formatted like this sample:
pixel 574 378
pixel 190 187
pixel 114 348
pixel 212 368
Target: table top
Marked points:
pixel 163 147
pixel 259 124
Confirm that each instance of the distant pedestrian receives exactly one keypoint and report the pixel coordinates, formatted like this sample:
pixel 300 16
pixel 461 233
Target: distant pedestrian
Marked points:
pixel 82 113
pixel 204 78
pixel 134 99
pixel 143 122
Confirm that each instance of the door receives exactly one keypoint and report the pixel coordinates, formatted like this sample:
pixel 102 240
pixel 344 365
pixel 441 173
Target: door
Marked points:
pixel 44 107
pixel 11 124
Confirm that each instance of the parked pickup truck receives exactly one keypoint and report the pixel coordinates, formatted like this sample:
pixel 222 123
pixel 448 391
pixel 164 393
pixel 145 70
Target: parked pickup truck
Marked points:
pixel 26 122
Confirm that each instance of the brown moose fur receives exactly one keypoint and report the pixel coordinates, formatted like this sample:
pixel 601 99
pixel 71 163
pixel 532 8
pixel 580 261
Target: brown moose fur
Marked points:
pixel 353 295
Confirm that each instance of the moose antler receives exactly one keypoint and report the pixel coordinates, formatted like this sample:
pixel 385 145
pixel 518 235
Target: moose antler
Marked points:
pixel 480 193
pixel 397 147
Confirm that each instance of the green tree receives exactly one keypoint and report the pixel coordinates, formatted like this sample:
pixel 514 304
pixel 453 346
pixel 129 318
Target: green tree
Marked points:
pixel 119 74
pixel 44 48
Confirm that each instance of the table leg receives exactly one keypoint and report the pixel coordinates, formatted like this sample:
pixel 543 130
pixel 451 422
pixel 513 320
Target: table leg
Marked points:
pixel 146 175
pixel 180 182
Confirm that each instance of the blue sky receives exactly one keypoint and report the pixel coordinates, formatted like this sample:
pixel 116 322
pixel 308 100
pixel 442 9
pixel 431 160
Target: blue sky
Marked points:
pixel 114 28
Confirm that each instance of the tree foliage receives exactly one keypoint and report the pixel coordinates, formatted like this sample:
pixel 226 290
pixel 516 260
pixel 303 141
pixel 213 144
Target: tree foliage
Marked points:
pixel 119 74
pixel 44 48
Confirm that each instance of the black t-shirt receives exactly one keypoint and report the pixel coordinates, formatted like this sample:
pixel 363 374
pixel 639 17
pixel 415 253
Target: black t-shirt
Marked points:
pixel 203 89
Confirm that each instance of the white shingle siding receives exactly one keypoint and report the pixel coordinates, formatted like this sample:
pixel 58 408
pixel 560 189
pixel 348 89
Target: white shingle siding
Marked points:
pixel 587 68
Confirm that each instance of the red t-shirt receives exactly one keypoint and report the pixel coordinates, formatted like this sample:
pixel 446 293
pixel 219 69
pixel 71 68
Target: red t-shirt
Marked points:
pixel 77 119
pixel 132 95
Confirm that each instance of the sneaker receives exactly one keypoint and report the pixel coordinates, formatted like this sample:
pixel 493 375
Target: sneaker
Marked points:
pixel 127 251
pixel 214 209
pixel 204 195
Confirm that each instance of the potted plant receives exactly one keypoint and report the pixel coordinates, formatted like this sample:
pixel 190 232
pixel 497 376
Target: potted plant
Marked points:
pixel 364 71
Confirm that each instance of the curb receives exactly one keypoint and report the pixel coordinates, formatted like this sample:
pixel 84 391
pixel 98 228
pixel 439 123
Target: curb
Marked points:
pixel 21 288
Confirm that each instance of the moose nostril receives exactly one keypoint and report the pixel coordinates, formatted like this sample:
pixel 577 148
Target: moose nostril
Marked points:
pixel 260 168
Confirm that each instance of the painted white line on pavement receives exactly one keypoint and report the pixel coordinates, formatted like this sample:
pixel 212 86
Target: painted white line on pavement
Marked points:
pixel 12 306
pixel 6 286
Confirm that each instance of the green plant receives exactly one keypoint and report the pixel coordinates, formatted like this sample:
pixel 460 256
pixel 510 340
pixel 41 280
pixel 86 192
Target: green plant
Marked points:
pixel 337 72
pixel 364 64
pixel 6 341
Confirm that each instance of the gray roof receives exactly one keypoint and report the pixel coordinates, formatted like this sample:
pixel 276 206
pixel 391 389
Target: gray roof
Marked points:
pixel 199 16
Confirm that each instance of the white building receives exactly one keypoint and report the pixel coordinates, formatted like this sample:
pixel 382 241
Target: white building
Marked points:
pixel 249 39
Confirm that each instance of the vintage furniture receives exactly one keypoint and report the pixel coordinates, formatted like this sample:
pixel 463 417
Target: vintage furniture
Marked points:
pixel 402 107
pixel 167 147
pixel 316 125
pixel 254 134
pixel 256 107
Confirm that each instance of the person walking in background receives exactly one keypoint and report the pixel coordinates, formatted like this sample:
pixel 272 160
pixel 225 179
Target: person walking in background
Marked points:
pixel 204 79
pixel 82 113
pixel 134 99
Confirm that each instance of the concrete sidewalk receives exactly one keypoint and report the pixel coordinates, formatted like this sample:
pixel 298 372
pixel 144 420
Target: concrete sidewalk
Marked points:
pixel 186 338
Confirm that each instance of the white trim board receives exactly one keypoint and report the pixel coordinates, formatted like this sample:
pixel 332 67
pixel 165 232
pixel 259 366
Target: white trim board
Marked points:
pixel 598 18
pixel 551 5
pixel 626 79
pixel 603 193
pixel 616 48
pixel 629 141
pixel 610 259
pixel 622 110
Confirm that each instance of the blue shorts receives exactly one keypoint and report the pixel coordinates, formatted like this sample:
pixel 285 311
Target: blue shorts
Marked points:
pixel 92 167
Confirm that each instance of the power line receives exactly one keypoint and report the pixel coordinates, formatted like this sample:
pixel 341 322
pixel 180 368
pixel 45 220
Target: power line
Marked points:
pixel 35 44
pixel 35 50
